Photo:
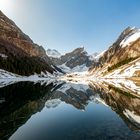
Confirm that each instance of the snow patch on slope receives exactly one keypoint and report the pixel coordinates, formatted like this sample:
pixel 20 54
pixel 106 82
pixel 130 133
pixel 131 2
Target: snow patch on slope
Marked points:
pixel 6 74
pixel 8 78
pixel 124 73
pixel 129 72
pixel 79 68
pixel 53 53
pixel 130 39
pixel 64 68
pixel 99 55
pixel 92 57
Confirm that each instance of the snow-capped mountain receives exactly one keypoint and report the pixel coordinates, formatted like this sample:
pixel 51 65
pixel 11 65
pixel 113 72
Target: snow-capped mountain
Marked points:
pixel 122 59
pixel 77 60
pixel 53 53
pixel 20 55
pixel 130 37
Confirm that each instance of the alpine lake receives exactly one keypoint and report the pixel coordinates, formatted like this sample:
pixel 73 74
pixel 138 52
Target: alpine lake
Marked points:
pixel 62 110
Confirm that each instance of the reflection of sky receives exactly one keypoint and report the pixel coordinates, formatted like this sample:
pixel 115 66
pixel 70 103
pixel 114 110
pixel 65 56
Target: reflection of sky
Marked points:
pixel 88 114
pixel 65 121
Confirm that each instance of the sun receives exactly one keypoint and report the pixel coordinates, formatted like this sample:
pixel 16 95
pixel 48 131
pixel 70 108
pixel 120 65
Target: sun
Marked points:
pixel 6 5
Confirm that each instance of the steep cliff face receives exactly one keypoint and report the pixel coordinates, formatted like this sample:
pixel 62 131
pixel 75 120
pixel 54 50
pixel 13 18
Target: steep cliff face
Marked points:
pixel 18 53
pixel 125 50
pixel 11 34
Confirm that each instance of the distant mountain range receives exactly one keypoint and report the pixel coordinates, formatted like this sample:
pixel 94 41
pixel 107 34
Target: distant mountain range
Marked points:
pixel 77 60
pixel 120 60
pixel 20 55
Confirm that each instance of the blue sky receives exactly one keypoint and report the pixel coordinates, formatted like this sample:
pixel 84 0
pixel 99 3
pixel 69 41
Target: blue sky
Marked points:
pixel 67 24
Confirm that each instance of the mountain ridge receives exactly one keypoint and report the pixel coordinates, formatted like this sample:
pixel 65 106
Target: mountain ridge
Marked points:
pixel 23 56
pixel 76 60
pixel 20 55
pixel 117 55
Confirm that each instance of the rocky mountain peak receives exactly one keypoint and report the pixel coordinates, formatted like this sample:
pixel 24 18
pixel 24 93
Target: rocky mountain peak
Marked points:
pixel 78 50
pixel 124 50
pixel 125 34
pixel 126 39
pixel 129 30
pixel 76 60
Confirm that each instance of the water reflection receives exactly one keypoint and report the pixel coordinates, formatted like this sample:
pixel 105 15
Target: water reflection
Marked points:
pixel 20 101
pixel 59 110
pixel 124 102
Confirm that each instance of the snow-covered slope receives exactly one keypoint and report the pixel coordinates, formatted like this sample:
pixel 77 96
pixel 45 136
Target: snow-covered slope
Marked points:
pixel 130 38
pixel 53 53
pixel 121 59
pixel 8 78
pixel 99 55
pixel 6 74
pixel 93 56
pixel 79 68
pixel 128 70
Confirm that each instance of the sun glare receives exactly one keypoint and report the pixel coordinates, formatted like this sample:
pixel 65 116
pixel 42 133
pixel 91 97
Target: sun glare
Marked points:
pixel 6 5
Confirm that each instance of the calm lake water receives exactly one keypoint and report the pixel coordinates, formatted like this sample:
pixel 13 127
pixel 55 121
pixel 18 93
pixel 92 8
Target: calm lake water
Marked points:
pixel 66 111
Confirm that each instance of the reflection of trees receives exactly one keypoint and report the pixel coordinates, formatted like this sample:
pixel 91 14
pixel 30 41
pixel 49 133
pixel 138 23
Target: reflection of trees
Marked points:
pixel 21 101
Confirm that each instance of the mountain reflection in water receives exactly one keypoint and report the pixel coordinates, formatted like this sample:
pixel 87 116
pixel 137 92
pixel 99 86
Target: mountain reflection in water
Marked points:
pixel 59 110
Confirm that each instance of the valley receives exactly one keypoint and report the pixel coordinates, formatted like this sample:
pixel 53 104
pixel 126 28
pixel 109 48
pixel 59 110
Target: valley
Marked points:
pixel 48 95
pixel 21 57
